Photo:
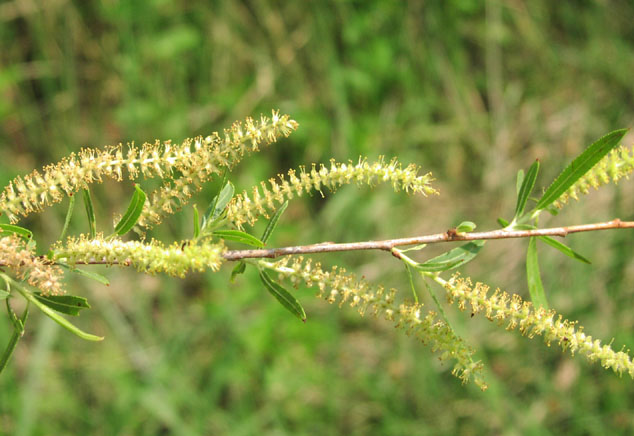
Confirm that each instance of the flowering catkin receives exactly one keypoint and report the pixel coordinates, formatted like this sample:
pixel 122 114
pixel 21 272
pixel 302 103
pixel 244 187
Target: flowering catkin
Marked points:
pixel 337 285
pixel 247 209
pixel 195 159
pixel 502 308
pixel 175 260
pixel 208 160
pixel 619 163
pixel 18 258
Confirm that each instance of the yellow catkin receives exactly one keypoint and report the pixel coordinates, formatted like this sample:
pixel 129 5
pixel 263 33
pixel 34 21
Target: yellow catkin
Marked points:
pixel 175 260
pixel 618 164
pixel 196 158
pixel 337 286
pixel 211 156
pixel 24 264
pixel 266 198
pixel 515 313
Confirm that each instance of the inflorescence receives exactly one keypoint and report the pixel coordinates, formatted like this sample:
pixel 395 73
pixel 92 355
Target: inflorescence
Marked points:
pixel 502 308
pixel 618 164
pixel 15 255
pixel 337 285
pixel 194 160
pixel 247 209
pixel 175 260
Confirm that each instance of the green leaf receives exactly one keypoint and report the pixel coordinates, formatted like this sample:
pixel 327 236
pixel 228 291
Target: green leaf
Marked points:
pixel 580 166
pixel 452 259
pixel 88 274
pixel 15 337
pixel 67 304
pixel 503 222
pixel 414 248
pixel 238 236
pixel 519 181
pixel 196 223
pixel 212 206
pixel 283 296
pixel 526 188
pixel 218 204
pixel 16 230
pixel 552 210
pixel 411 282
pixel 60 319
pixel 69 214
pixel 4 294
pixel 564 249
pixel 465 227
pixel 90 213
pixel 18 323
pixel 133 213
pixel 237 270
pixel 273 222
pixel 535 287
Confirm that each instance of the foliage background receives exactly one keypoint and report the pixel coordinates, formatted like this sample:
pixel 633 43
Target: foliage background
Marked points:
pixel 470 90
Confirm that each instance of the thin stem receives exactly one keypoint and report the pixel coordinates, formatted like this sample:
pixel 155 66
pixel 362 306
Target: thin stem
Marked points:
pixel 448 236
pixel 390 244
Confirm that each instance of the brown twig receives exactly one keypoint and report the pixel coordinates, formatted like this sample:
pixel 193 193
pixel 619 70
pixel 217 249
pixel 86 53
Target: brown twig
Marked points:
pixel 389 244
pixel 448 236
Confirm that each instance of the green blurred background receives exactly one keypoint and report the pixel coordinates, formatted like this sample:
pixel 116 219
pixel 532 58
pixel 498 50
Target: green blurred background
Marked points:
pixel 470 90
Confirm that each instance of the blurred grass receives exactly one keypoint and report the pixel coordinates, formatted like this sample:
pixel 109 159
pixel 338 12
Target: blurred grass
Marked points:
pixel 470 90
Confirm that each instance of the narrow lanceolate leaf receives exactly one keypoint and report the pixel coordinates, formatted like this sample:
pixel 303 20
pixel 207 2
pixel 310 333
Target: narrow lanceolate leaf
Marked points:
pixel 18 331
pixel 519 182
pixel 411 282
pixel 414 248
pixel 212 206
pixel 131 216
pixel 4 294
pixel 581 165
pixel 219 203
pixel 16 230
pixel 283 296
pixel 535 287
pixel 18 323
pixel 69 214
pixel 88 274
pixel 238 236
pixel 564 249
pixel 237 270
pixel 273 222
pixel 196 223
pixel 526 188
pixel 67 304
pixel 452 259
pixel 61 320
pixel 90 213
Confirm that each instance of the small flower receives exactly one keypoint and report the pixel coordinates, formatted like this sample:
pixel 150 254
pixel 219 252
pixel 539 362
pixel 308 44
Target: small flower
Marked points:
pixel 18 258
pixel 211 156
pixel 338 286
pixel 516 313
pixel 194 160
pixel 618 164
pixel 244 209
pixel 175 260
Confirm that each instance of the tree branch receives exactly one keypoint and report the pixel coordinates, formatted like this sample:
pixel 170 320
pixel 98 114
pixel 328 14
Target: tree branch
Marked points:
pixel 388 244
pixel 448 236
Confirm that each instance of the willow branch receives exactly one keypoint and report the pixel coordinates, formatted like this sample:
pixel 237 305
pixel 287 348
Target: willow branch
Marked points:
pixel 389 244
pixel 448 236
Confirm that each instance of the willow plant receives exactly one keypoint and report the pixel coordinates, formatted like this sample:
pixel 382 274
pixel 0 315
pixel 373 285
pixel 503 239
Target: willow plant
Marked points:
pixel 184 168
